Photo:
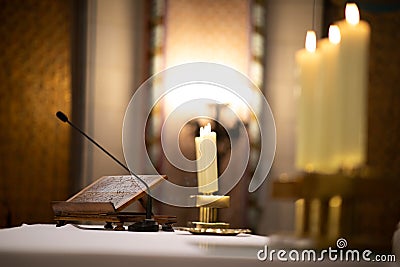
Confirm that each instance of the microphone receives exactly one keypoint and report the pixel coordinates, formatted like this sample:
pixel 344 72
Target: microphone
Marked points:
pixel 148 225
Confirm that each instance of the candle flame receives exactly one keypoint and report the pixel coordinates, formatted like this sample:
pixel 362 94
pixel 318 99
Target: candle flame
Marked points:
pixel 311 41
pixel 206 130
pixel 352 14
pixel 334 34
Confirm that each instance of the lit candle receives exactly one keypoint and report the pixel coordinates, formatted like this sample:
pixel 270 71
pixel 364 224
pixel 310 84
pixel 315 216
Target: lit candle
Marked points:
pixel 355 37
pixel 331 108
pixel 308 64
pixel 206 155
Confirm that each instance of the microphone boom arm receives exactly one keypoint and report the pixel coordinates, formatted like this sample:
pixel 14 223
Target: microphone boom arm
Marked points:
pixel 148 207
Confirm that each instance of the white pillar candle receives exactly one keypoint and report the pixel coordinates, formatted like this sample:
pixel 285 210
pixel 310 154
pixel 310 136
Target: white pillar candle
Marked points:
pixel 355 38
pixel 331 108
pixel 309 78
pixel 206 155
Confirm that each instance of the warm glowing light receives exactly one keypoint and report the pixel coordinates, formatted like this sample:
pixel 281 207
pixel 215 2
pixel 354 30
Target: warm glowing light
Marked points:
pixel 192 92
pixel 311 41
pixel 334 34
pixel 352 14
pixel 335 202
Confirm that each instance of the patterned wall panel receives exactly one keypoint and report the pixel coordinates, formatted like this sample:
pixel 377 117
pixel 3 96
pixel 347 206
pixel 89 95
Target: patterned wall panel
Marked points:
pixel 384 93
pixel 35 82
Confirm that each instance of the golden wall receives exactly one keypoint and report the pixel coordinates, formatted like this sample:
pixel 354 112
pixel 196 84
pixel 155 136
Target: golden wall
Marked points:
pixel 35 82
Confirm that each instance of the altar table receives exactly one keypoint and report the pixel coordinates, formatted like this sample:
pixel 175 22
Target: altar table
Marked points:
pixel 48 245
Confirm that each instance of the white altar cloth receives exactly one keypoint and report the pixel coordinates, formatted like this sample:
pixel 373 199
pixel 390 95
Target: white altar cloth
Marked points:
pixel 47 245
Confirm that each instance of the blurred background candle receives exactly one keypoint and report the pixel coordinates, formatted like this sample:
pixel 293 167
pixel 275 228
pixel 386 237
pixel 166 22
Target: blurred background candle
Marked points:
pixel 331 107
pixel 355 38
pixel 309 78
pixel 206 155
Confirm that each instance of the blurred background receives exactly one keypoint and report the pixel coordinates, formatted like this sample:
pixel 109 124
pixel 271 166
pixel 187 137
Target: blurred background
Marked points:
pixel 87 58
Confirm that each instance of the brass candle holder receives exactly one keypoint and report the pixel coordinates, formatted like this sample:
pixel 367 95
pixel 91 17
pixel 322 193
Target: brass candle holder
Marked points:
pixel 208 223
pixel 361 206
pixel 208 211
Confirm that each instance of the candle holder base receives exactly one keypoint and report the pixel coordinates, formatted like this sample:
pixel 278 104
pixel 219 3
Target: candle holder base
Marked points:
pixel 208 217
pixel 215 225
pixel 361 206
pixel 214 231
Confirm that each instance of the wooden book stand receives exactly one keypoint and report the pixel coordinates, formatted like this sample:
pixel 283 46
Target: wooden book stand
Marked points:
pixel 104 199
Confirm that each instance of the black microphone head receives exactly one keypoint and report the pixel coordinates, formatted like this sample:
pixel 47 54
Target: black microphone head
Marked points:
pixel 62 116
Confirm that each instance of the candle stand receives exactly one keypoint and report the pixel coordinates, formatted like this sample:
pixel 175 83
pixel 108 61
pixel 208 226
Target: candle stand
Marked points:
pixel 208 212
pixel 208 223
pixel 362 207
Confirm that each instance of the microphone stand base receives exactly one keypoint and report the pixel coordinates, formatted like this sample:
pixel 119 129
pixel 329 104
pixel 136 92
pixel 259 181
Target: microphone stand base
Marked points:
pixel 148 225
